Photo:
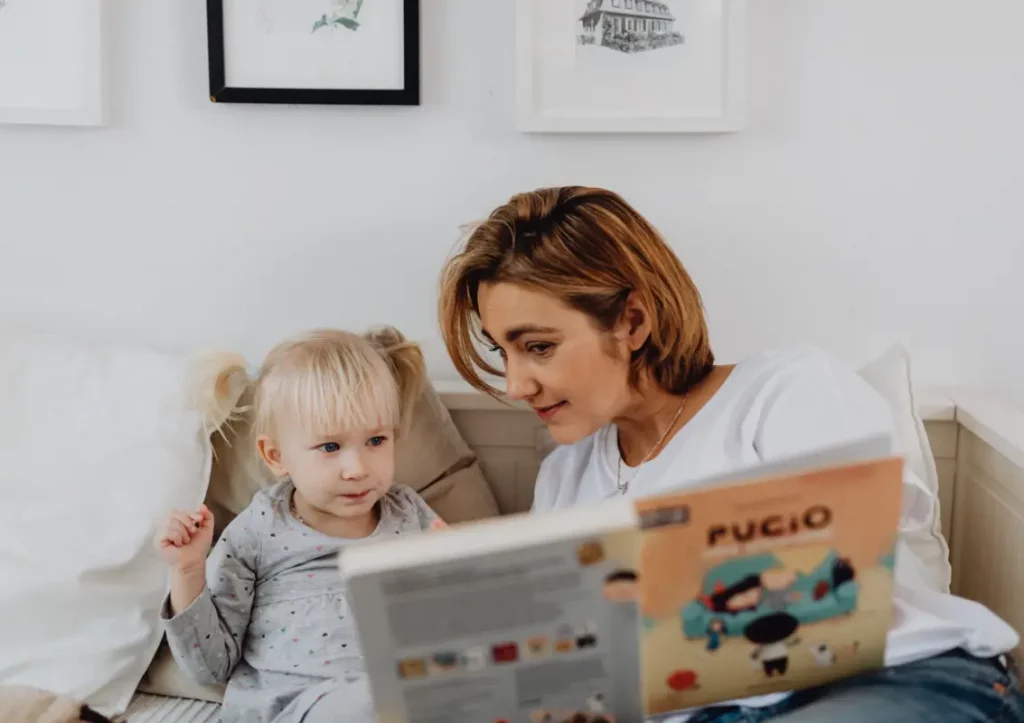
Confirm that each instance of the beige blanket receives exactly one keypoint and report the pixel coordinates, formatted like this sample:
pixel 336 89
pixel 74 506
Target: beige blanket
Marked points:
pixel 19 704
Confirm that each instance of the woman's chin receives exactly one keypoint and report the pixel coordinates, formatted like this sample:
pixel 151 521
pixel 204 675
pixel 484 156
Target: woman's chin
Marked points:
pixel 570 431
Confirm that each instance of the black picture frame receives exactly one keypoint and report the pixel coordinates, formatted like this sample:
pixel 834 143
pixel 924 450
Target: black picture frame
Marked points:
pixel 220 92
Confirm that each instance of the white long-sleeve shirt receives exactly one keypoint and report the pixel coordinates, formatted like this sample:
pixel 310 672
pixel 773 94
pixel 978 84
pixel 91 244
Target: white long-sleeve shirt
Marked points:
pixel 774 406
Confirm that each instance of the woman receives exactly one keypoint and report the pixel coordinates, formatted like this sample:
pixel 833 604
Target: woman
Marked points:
pixel 601 330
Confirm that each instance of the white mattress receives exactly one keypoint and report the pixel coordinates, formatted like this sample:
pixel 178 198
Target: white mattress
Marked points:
pixel 146 708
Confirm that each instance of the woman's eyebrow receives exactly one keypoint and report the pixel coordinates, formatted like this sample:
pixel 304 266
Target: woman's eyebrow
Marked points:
pixel 517 331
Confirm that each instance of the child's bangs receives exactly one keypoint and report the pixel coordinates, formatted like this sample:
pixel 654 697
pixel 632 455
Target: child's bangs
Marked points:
pixel 334 396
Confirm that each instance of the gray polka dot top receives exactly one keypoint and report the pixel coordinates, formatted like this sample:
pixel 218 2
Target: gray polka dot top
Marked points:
pixel 273 621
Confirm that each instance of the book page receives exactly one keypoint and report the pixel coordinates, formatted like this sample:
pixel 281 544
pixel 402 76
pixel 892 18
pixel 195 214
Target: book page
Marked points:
pixel 532 634
pixel 769 586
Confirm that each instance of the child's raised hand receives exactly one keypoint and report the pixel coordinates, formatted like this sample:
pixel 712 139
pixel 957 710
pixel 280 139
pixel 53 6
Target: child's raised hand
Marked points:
pixel 185 538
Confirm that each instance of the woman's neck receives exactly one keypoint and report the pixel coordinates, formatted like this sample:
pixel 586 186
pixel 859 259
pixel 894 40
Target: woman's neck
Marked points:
pixel 654 416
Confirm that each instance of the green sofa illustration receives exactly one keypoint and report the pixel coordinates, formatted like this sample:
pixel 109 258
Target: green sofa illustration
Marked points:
pixel 828 591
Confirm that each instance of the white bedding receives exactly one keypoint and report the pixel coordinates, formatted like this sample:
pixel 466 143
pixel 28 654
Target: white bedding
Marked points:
pixel 146 708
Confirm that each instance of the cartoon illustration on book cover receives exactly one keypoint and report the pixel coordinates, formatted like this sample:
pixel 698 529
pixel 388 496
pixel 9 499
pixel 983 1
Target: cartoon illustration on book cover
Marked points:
pixel 783 585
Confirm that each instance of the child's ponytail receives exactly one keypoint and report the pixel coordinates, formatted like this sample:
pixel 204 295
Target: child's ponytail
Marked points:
pixel 406 361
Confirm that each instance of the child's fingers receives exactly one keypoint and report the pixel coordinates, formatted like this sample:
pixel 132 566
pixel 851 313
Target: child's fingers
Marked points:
pixel 206 515
pixel 177 531
pixel 191 520
pixel 183 525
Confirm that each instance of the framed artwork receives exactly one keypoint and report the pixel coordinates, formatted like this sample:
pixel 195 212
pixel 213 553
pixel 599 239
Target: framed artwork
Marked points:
pixel 630 66
pixel 51 62
pixel 334 52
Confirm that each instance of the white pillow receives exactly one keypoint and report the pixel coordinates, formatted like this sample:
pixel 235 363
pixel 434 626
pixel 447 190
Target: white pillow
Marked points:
pixel 98 443
pixel 890 375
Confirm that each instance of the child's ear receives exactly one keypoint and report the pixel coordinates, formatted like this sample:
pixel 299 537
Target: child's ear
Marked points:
pixel 270 455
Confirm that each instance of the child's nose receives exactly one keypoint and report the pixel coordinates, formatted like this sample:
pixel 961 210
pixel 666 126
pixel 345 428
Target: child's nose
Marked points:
pixel 352 467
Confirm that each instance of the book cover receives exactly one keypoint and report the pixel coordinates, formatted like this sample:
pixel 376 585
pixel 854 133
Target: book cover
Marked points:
pixel 531 632
pixel 767 586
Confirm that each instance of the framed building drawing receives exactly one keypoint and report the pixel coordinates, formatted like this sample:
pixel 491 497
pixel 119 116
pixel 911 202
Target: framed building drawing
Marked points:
pixel 52 62
pixel 348 52
pixel 630 66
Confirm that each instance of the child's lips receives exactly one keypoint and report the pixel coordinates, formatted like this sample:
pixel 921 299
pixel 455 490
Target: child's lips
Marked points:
pixel 356 495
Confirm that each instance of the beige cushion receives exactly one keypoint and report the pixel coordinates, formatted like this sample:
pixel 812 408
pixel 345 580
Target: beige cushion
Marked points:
pixel 434 459
pixel 462 496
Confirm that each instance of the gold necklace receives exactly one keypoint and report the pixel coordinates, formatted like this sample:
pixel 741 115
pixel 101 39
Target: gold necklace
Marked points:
pixel 295 512
pixel 621 485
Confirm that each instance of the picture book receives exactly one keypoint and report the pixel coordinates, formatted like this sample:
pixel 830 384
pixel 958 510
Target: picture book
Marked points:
pixel 759 588
pixel 771 580
pixel 527 618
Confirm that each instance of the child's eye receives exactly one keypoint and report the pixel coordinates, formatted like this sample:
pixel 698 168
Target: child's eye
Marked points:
pixel 330 447
pixel 377 441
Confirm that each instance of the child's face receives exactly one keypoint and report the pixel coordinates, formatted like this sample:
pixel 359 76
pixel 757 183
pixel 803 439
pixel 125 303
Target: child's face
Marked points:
pixel 343 474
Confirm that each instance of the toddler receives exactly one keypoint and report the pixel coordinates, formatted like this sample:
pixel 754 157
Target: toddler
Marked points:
pixel 266 612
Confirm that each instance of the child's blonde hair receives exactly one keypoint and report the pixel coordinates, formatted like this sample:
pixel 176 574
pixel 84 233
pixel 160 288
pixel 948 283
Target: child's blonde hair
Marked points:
pixel 331 380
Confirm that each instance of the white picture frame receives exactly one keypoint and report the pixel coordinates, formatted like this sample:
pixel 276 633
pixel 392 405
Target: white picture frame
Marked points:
pixel 548 61
pixel 52 65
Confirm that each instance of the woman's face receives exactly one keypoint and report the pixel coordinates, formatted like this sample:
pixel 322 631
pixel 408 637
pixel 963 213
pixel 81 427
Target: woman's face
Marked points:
pixel 575 376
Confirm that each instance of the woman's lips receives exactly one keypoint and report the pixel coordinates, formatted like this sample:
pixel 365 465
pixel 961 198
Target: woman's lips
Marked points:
pixel 546 413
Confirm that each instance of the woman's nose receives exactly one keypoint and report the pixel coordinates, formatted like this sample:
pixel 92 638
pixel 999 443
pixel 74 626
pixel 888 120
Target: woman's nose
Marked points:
pixel 519 384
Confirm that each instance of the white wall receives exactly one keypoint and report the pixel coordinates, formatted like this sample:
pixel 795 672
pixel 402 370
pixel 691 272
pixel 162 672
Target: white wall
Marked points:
pixel 875 194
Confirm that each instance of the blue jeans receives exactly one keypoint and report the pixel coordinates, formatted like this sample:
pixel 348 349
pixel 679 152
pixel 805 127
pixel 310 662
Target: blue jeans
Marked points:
pixel 953 687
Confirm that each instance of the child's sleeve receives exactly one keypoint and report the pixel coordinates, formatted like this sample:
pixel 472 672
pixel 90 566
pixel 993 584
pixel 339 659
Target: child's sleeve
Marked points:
pixel 417 510
pixel 207 637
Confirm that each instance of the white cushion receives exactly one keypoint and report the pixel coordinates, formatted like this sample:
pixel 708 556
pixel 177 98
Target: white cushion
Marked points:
pixel 890 375
pixel 98 443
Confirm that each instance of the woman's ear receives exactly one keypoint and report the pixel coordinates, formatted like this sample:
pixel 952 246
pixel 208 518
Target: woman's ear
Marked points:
pixel 634 327
pixel 270 455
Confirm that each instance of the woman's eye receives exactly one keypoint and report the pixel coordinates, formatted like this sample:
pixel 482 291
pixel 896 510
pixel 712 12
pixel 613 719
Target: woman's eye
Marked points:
pixel 498 350
pixel 539 348
pixel 377 441
pixel 330 447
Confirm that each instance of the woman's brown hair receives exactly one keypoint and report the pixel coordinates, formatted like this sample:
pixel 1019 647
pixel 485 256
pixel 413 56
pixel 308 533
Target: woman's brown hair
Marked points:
pixel 590 249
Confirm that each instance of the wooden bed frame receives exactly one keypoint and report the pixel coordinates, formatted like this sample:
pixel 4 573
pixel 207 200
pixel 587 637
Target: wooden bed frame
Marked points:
pixel 977 443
